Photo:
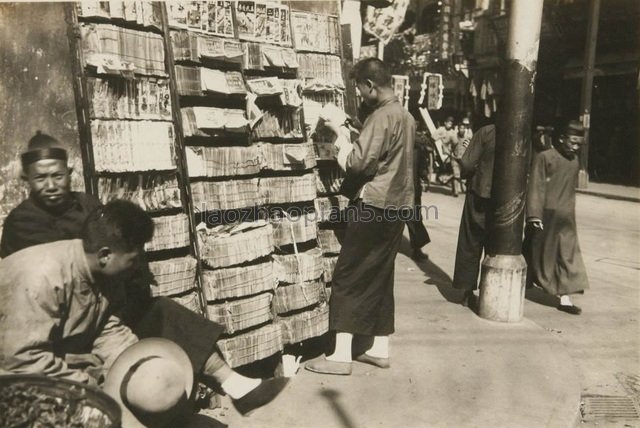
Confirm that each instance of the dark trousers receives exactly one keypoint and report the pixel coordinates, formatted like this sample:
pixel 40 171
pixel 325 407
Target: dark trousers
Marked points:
pixel 362 299
pixel 162 317
pixel 472 240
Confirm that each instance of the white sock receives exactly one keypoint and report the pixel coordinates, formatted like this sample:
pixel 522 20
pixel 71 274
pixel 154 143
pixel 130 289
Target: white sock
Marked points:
pixel 565 300
pixel 380 347
pixel 342 352
pixel 238 386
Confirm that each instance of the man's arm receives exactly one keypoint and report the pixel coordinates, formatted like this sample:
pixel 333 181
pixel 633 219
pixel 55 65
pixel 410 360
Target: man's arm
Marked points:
pixel 31 312
pixel 113 339
pixel 471 157
pixel 536 191
pixel 362 160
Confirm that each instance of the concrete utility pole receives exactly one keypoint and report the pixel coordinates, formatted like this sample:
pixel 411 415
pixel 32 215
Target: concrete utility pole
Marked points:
pixel 502 280
pixel 587 88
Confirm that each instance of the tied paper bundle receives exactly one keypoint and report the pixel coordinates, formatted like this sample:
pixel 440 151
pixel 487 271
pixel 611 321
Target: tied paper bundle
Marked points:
pixel 297 296
pixel 262 86
pixel 145 13
pixel 223 161
pixel 305 325
pixel 121 51
pixel 198 121
pixel 251 346
pixel 188 46
pixel 320 72
pixel 282 190
pixel 173 276
pixel 169 232
pixel 121 146
pixel 139 98
pixel 151 192
pixel 287 157
pixel 279 123
pixel 289 230
pixel 197 81
pixel 226 195
pixel 229 245
pixel 241 314
pixel 190 301
pixel 329 180
pixel 240 281
pixel 301 267
pixel 328 208
pixel 329 265
pixel 330 239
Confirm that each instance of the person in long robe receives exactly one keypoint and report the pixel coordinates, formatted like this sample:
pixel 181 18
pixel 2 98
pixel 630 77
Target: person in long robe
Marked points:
pixel 551 244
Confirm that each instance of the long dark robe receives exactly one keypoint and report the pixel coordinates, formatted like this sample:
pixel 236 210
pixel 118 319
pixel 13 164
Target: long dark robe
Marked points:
pixel 553 254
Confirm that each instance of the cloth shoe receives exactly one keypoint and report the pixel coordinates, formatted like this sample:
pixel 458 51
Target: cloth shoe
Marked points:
pixel 417 255
pixel 570 309
pixel 383 363
pixel 322 365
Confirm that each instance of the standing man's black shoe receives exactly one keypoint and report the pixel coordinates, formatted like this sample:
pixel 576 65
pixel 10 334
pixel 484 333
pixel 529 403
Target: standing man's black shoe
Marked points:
pixel 570 309
pixel 469 299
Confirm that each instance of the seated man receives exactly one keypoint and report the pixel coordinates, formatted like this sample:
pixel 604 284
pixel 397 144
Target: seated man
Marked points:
pixel 53 212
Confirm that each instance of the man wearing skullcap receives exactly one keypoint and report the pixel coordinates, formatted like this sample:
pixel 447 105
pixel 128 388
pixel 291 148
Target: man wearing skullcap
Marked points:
pixel 54 213
pixel 551 249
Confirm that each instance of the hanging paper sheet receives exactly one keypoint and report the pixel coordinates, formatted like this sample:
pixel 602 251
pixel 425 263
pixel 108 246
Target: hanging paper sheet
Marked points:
pixel 384 22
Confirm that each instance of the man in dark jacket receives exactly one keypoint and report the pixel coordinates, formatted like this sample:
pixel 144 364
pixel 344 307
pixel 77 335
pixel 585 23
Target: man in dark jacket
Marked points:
pixel 476 166
pixel 52 213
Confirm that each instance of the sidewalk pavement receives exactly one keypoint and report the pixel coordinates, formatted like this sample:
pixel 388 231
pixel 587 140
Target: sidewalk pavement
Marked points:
pixel 449 368
pixel 612 191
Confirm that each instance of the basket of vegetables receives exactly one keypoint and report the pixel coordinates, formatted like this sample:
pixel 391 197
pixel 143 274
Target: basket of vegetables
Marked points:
pixel 37 401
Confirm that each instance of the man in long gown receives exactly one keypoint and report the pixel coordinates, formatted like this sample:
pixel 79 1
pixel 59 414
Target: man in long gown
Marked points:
pixel 552 250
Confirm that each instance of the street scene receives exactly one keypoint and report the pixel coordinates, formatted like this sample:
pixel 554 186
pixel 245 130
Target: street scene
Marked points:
pixel 320 214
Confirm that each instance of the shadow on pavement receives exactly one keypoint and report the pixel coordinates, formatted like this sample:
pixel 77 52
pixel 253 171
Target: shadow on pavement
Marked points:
pixel 435 275
pixel 333 397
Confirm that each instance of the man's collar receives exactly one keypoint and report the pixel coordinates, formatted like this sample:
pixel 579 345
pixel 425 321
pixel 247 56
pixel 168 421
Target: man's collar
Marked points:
pixel 82 265
pixel 386 101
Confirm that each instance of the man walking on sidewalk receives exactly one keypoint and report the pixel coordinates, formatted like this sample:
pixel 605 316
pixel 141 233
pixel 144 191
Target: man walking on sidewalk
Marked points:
pixel 551 246
pixel 380 182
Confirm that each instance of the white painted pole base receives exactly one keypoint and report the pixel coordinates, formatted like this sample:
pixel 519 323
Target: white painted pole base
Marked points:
pixel 502 288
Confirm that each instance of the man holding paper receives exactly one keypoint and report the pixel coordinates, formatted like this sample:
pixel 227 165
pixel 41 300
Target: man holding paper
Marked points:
pixel 380 184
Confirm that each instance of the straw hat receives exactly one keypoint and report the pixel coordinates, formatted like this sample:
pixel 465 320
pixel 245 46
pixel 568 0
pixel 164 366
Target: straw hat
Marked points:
pixel 152 381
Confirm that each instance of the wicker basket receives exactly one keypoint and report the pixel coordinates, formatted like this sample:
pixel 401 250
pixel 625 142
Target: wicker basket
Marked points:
pixel 224 246
pixel 287 157
pixel 305 325
pixel 223 161
pixel 287 230
pixel 301 267
pixel 329 264
pixel 282 190
pixel 328 206
pixel 252 346
pixel 238 281
pixel 242 314
pixel 297 296
pixel 93 406
pixel 226 195
pixel 169 232
pixel 190 301
pixel 173 276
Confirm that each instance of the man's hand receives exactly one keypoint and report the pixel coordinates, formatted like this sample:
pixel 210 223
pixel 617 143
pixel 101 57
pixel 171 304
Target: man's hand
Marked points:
pixel 335 127
pixel 536 222
pixel 83 361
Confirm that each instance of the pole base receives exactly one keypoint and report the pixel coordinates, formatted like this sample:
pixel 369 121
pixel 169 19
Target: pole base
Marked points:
pixel 583 179
pixel 502 288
